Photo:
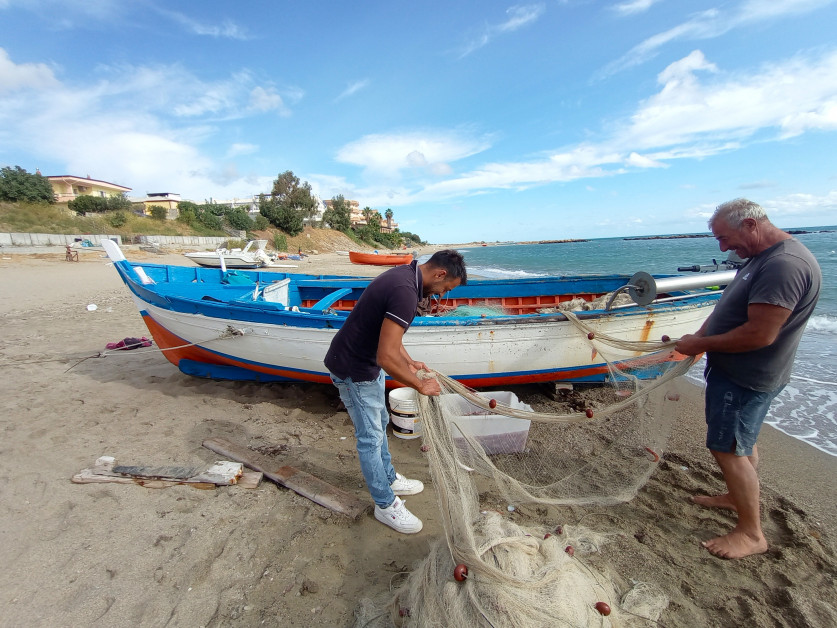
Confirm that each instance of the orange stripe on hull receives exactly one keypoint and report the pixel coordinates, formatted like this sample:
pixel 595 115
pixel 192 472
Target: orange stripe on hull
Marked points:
pixel 165 340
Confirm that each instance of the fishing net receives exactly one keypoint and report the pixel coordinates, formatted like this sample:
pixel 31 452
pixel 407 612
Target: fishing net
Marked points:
pixel 490 454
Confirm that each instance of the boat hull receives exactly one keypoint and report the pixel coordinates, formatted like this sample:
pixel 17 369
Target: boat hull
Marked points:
pixel 375 259
pixel 213 260
pixel 241 338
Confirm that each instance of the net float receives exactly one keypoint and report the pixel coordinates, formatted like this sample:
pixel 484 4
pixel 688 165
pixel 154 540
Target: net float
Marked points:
pixel 666 338
pixel 546 536
pixel 492 404
pixel 559 529
pixel 603 608
pixel 589 413
pixel 570 550
pixel 425 448
pixel 460 572
pixel 590 336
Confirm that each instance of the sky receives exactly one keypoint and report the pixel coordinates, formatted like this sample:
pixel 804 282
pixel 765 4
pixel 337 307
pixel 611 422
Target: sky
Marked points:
pixel 473 120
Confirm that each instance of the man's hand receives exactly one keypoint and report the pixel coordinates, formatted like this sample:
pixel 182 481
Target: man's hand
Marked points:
pixel 690 344
pixel 415 366
pixel 429 387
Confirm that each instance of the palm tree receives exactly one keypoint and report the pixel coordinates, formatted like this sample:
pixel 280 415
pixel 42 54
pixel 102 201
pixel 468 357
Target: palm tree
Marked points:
pixel 388 214
pixel 367 214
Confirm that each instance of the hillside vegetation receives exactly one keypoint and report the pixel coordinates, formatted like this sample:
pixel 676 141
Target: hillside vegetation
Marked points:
pixel 58 218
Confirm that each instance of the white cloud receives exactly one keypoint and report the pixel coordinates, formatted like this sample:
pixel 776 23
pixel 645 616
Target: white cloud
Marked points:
pixel 395 154
pixel 120 126
pixel 242 149
pixel 262 99
pixel 632 7
pixel 26 75
pixel 790 98
pixel 713 23
pixel 227 29
pixel 352 89
pixel 518 17
pixel 699 111
pixel 642 161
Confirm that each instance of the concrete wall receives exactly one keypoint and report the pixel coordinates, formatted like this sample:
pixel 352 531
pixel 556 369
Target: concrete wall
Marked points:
pixel 52 239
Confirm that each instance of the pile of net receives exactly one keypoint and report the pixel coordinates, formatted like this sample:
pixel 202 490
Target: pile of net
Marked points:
pixel 488 455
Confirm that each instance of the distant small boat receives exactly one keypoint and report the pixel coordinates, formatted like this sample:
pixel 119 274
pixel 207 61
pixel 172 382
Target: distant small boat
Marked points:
pixel 378 259
pixel 235 258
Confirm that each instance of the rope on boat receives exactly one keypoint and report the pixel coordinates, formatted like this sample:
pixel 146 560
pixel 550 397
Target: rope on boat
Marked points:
pixel 229 332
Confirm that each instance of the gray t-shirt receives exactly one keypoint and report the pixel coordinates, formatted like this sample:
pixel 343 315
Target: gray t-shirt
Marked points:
pixel 787 275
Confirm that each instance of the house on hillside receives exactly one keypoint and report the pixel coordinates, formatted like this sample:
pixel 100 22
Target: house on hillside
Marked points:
pixel 67 187
pixel 358 219
pixel 168 200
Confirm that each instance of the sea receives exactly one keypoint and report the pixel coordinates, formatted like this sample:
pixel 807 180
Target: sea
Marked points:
pixel 806 409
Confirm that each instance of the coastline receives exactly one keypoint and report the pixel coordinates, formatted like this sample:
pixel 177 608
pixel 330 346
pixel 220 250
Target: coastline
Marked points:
pixel 127 555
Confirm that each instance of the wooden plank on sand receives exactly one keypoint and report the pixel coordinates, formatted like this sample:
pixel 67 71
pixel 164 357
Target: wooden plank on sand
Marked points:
pixel 307 485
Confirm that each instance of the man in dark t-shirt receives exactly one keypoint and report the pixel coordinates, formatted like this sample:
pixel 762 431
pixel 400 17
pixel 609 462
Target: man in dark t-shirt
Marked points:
pixel 370 343
pixel 750 341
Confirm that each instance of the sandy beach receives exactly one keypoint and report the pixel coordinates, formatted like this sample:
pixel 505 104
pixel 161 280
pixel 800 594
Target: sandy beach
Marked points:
pixel 127 555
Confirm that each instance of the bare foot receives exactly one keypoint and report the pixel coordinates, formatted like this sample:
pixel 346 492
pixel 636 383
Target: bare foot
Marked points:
pixel 714 501
pixel 736 545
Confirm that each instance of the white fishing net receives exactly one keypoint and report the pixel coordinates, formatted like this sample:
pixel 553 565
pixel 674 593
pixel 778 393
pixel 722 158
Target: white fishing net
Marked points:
pixel 486 450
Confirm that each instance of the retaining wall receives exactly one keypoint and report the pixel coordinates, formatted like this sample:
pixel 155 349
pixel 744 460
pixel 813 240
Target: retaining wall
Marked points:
pixel 53 239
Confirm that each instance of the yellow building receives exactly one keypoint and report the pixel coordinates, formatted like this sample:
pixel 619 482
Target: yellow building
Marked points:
pixel 67 187
pixel 169 200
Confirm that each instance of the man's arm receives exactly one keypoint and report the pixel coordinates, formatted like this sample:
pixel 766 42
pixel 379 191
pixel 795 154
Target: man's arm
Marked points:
pixel 763 324
pixel 393 358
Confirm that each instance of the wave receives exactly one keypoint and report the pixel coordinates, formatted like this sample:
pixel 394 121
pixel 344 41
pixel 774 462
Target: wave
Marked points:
pixel 822 322
pixel 490 272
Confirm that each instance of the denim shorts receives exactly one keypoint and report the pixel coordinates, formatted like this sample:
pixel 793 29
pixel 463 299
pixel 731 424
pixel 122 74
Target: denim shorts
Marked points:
pixel 734 414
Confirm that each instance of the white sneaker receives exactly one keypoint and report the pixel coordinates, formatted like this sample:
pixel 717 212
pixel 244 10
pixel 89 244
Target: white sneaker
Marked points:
pixel 403 486
pixel 397 517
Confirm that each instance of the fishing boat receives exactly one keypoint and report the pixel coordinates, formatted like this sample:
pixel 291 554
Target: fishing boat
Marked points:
pixel 275 326
pixel 380 259
pixel 234 258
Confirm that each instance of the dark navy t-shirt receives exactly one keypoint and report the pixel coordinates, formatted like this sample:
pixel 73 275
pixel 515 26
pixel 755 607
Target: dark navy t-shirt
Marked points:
pixel 393 295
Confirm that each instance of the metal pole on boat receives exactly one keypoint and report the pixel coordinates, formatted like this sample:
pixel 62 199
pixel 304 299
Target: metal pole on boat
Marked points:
pixel 643 288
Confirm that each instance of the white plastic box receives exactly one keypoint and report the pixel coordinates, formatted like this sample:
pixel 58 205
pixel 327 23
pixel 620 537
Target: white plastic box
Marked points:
pixel 496 434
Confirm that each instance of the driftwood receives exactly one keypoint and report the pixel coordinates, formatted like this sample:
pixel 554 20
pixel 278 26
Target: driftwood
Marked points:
pixel 222 473
pixel 317 490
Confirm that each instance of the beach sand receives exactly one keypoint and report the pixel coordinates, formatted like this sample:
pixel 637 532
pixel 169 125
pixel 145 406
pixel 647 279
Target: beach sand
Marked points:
pixel 126 555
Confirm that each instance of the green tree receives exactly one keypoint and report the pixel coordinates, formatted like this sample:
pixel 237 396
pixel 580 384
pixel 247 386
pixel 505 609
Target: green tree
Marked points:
pixel 290 201
pixel 260 223
pixel 158 212
pixel 117 218
pixel 118 202
pixel 389 215
pixel 339 215
pixel 367 212
pixel 85 204
pixel 18 185
pixel 186 212
pixel 239 219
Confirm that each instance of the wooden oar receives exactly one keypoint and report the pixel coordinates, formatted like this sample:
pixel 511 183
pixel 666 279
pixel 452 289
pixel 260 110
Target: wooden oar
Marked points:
pixel 307 485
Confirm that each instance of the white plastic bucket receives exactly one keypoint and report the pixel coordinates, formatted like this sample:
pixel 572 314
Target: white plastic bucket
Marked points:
pixel 403 413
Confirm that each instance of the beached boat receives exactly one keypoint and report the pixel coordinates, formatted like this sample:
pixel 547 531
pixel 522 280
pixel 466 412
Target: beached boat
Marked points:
pixel 277 326
pixel 380 259
pixel 234 258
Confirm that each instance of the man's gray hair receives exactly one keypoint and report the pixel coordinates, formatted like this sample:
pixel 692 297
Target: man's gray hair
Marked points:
pixel 738 210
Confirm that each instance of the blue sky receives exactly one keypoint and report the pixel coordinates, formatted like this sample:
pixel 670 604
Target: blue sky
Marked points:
pixel 471 120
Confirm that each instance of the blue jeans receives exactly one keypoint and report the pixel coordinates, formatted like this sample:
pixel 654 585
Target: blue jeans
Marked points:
pixel 734 414
pixel 366 404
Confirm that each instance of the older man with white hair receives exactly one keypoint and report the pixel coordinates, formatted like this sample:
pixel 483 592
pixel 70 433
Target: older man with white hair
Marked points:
pixel 750 341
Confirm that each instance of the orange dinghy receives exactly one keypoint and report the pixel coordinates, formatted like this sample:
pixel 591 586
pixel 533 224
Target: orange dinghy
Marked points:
pixel 376 259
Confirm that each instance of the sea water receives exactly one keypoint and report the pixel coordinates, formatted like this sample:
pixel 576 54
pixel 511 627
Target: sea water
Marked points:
pixel 807 407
